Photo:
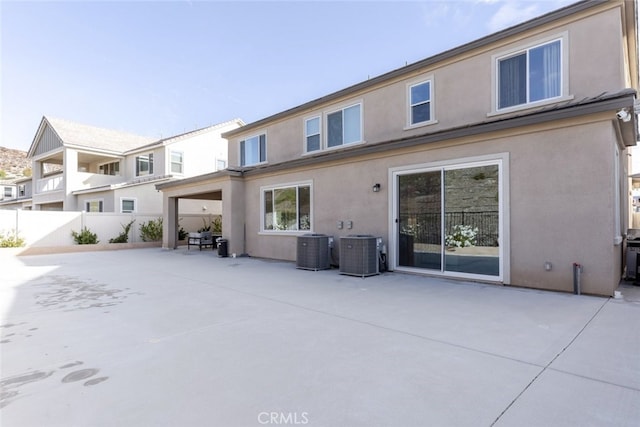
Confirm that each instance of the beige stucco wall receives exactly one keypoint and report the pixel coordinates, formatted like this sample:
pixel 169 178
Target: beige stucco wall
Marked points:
pixel 556 194
pixel 463 87
pixel 559 184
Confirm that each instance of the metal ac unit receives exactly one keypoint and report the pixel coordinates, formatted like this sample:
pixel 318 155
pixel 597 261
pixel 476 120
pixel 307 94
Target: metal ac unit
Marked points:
pixel 359 255
pixel 313 252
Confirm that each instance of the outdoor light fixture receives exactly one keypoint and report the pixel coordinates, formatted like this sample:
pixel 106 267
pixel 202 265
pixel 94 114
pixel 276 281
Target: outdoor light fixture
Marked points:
pixel 624 115
pixel 376 188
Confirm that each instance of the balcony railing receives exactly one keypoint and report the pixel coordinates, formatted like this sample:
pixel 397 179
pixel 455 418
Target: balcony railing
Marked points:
pixel 52 183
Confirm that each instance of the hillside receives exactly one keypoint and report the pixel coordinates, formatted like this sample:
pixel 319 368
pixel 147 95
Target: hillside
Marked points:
pixel 13 162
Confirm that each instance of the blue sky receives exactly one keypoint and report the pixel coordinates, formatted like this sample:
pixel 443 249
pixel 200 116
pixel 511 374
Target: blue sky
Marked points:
pixel 162 68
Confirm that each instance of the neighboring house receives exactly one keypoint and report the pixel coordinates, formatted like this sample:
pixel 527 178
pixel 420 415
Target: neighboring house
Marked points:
pixel 519 139
pixel 78 167
pixel 16 194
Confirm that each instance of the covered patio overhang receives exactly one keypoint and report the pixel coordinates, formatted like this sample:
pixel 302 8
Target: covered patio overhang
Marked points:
pixel 226 186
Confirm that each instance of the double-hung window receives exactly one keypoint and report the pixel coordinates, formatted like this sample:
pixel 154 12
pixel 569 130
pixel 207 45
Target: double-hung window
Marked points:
pixel 530 75
pixel 253 150
pixel 287 208
pixel 344 126
pixel 8 192
pixel 21 190
pixel 144 165
pixel 420 103
pixel 312 134
pixel 177 162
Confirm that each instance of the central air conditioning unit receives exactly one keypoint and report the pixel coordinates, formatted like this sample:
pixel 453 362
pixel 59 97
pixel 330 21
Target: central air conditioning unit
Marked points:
pixel 313 252
pixel 359 255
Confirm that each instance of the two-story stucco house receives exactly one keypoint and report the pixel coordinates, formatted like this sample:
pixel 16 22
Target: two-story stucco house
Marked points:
pixel 503 160
pixel 78 167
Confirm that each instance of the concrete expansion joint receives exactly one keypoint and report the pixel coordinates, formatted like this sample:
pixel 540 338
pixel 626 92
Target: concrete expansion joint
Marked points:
pixel 548 365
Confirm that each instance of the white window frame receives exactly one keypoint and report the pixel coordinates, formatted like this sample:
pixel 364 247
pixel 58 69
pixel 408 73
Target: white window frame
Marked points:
pixel 296 185
pixel 564 69
pixel 307 135
pixel 109 166
pixel 4 192
pixel 22 190
pixel 416 82
pixel 149 159
pixel 500 159
pixel 342 109
pixel 129 199
pixel 88 202
pixel 171 162
pixel 240 149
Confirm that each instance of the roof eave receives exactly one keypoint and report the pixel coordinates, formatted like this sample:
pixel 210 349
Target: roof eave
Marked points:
pixel 623 99
pixel 199 178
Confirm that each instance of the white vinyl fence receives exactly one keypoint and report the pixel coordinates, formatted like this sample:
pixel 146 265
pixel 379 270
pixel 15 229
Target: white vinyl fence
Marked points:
pixel 50 228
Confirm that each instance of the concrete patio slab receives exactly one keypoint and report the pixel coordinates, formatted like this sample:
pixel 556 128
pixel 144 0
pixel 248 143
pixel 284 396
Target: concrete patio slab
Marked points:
pixel 149 337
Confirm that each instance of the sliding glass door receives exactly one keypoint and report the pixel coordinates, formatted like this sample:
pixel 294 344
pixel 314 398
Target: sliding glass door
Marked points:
pixel 449 219
pixel 420 220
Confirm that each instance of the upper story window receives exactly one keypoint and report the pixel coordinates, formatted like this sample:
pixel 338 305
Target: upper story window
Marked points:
pixel 8 191
pixel 22 190
pixel 530 75
pixel 287 208
pixel 420 103
pixel 112 168
pixel 177 162
pixel 253 150
pixel 144 165
pixel 344 126
pixel 312 134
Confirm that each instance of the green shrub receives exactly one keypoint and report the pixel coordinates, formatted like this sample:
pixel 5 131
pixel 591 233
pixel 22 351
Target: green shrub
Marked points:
pixel 11 239
pixel 124 236
pixel 215 225
pixel 85 237
pixel 151 231
pixel 204 227
pixel 182 234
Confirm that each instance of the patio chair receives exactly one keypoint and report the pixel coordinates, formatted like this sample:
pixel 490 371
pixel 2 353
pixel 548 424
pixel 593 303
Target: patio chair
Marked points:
pixel 200 239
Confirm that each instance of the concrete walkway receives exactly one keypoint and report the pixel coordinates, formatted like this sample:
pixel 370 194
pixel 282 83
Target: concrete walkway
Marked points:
pixel 149 337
